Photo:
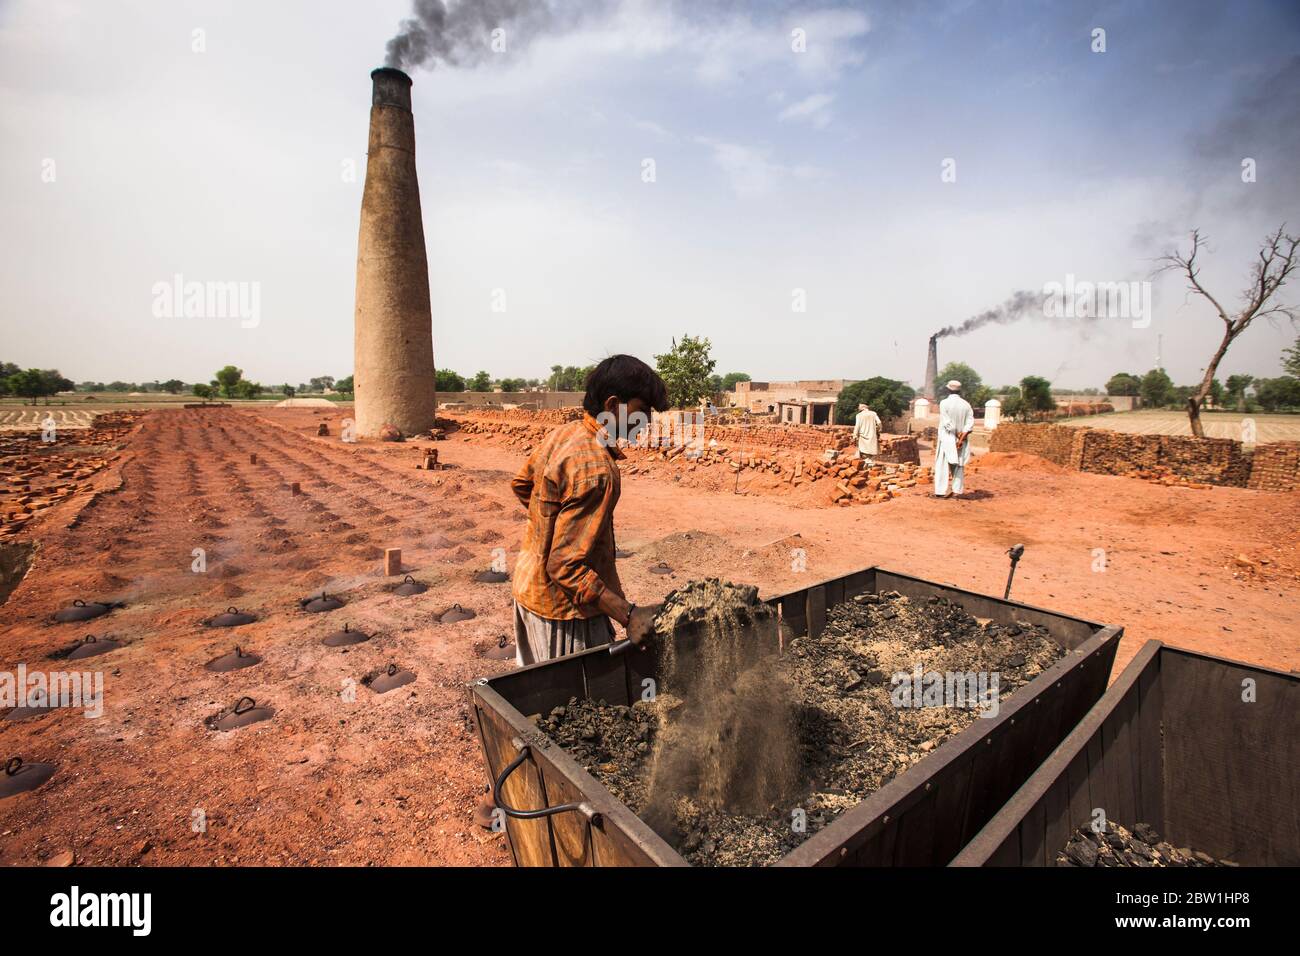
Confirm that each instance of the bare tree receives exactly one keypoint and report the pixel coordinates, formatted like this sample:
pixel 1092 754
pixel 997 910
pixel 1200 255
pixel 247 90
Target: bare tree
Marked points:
pixel 1278 258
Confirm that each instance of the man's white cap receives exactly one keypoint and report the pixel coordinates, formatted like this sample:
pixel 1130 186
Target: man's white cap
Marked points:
pixel 954 386
pixel 862 406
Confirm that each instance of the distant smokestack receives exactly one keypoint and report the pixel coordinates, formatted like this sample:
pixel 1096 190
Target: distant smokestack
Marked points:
pixel 393 379
pixel 931 366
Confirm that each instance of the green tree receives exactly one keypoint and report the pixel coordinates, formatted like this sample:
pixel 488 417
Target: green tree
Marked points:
pixel 343 385
pixel 287 390
pixel 228 379
pixel 1275 394
pixel 731 378
pixel 1235 394
pixel 202 391
pixel 970 380
pixel 1156 388
pixel 1036 393
pixel 1124 383
pixel 512 384
pixel 247 390
pixel 884 396
pixel 28 383
pixel 1291 359
pixel 686 369
pixel 173 386
pixel 568 378
pixel 445 380
pixel 481 382
pixel 322 382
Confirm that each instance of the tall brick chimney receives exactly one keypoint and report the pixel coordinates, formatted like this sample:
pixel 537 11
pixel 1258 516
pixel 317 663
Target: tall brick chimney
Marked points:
pixel 931 367
pixel 393 337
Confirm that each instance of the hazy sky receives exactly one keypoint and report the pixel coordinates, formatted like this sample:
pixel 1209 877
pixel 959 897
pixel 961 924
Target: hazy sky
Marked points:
pixel 129 156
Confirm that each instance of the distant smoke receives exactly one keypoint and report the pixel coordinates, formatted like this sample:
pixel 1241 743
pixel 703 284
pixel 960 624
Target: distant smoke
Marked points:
pixel 1021 305
pixel 461 34
pixel 1261 122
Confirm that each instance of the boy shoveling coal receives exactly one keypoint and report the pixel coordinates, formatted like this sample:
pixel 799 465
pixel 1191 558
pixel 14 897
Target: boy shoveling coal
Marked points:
pixel 566 586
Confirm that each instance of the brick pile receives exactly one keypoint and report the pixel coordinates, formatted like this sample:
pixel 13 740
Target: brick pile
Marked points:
pixel 37 475
pixel 841 480
pixel 797 458
pixel 1077 409
pixel 1276 467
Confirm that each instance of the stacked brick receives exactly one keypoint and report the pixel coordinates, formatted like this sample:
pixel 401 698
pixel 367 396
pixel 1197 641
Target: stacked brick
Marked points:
pixel 1059 444
pixel 1276 467
pixel 1115 453
pixel 798 455
pixel 1169 459
pixel 792 437
pixel 36 475
pixel 1077 409
pixel 846 480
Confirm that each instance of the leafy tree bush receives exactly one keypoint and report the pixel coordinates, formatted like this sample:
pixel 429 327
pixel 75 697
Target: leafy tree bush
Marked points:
pixel 1124 383
pixel 445 380
pixel 884 396
pixel 687 369
pixel 1157 387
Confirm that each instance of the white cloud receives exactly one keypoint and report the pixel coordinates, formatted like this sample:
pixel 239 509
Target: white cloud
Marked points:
pixel 649 126
pixel 749 170
pixel 814 109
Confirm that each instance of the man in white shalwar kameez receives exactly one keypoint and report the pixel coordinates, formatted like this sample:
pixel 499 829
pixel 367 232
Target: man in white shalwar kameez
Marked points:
pixel 956 421
pixel 866 433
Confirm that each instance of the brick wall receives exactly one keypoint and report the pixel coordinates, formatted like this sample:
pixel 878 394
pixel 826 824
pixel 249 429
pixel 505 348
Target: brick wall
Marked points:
pixel 1215 461
pixel 1057 443
pixel 1276 466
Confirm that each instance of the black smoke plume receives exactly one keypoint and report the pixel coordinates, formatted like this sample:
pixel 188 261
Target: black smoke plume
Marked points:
pixel 460 33
pixel 1021 305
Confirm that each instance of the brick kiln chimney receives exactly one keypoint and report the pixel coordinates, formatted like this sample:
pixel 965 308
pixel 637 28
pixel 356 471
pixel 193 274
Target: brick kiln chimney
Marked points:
pixel 393 338
pixel 931 367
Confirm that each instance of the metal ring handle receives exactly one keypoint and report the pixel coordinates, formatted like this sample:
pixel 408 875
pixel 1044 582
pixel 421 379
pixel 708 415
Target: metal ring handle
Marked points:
pixel 13 765
pixel 408 580
pixel 392 670
pixel 251 704
pixel 510 811
pixel 232 610
pixel 78 603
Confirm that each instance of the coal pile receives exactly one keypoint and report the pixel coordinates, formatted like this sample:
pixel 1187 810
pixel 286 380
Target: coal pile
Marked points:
pixel 853 727
pixel 1117 846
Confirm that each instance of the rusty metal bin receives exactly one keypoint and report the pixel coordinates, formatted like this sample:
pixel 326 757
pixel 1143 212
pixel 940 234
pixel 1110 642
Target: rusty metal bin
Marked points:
pixel 1174 744
pixel 923 817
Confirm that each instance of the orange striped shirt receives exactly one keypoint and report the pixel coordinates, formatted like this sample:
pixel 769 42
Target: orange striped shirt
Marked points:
pixel 570 486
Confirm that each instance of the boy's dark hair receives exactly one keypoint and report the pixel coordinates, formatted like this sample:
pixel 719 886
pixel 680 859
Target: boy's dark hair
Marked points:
pixel 628 378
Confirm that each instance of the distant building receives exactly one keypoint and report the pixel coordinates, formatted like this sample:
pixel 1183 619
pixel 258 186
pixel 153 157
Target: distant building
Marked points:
pixel 765 397
pixel 813 411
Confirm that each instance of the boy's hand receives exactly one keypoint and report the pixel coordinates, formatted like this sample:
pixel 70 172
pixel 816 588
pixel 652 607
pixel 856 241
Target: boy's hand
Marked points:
pixel 641 625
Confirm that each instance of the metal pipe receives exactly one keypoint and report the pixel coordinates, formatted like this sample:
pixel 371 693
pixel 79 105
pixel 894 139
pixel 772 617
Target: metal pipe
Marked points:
pixel 524 749
pixel 1015 552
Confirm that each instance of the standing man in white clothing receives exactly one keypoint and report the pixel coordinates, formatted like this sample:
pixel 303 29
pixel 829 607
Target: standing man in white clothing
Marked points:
pixel 956 422
pixel 866 433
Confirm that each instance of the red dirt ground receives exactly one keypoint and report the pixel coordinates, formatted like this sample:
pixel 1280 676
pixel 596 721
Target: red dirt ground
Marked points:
pixel 392 779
